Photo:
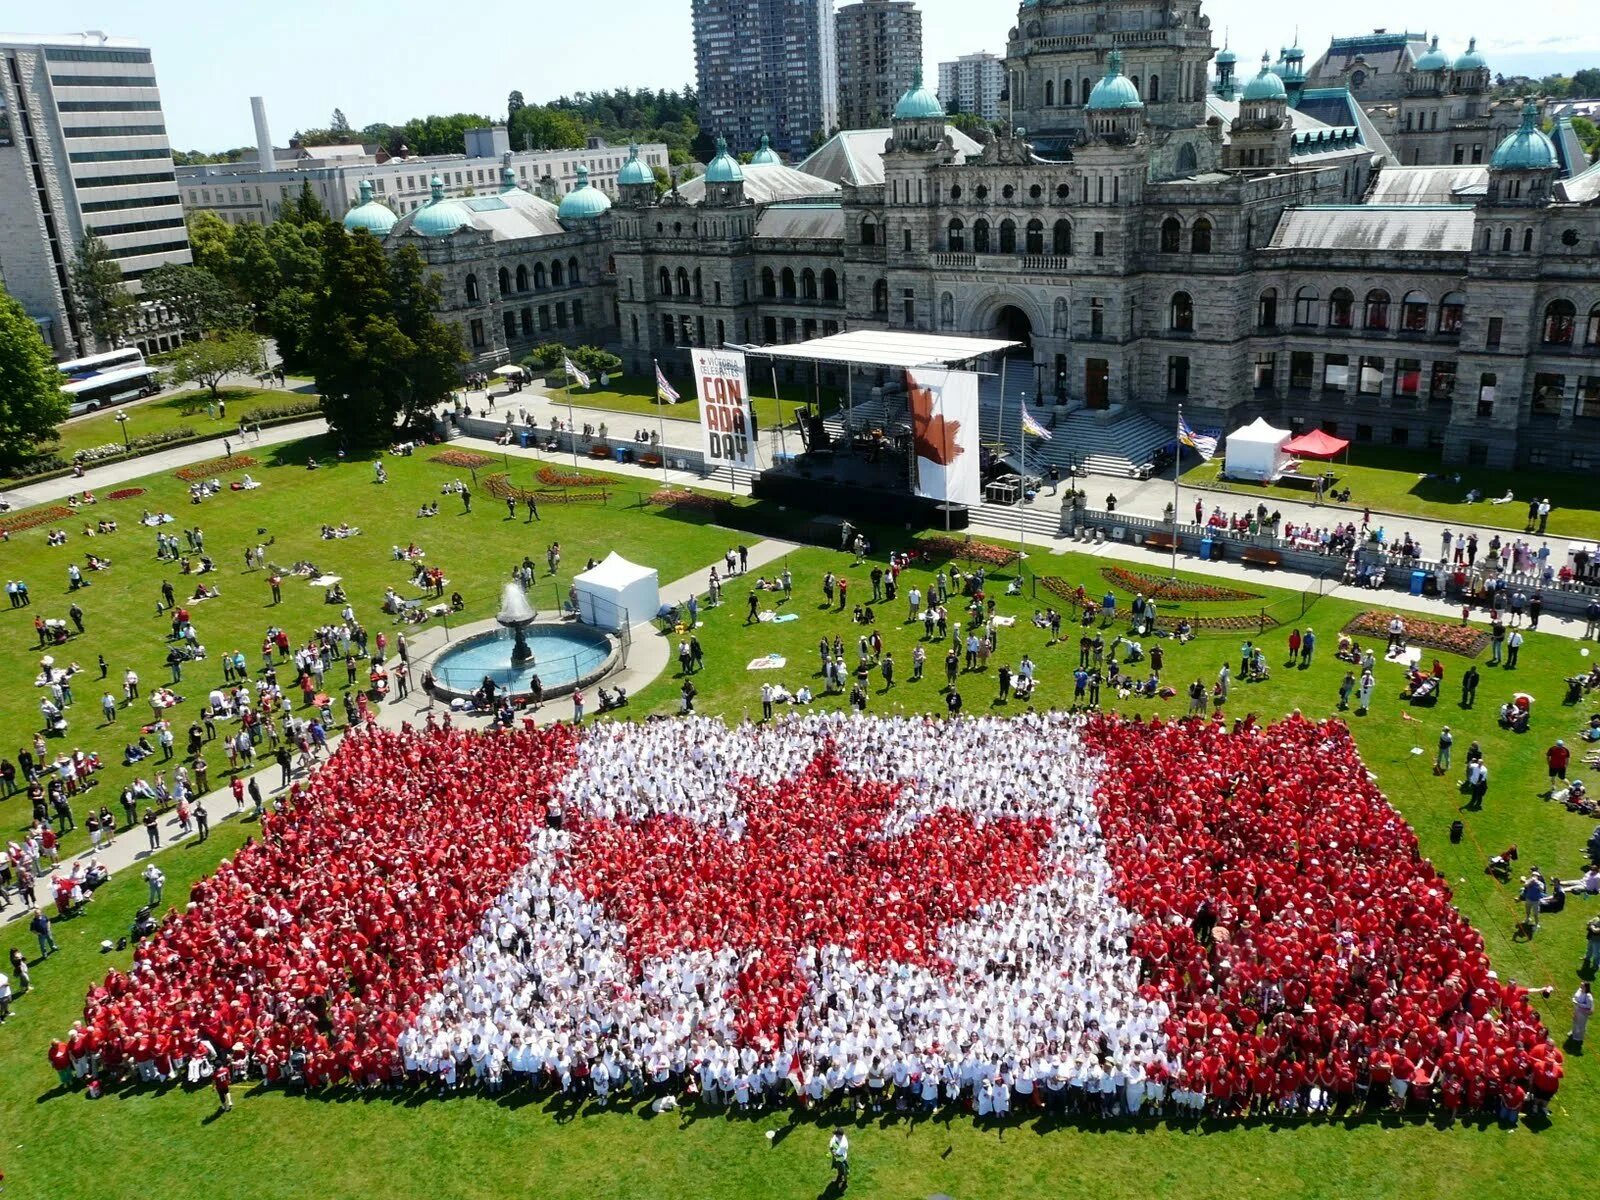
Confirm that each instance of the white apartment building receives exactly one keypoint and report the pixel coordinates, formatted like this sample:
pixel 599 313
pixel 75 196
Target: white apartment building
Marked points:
pixel 974 84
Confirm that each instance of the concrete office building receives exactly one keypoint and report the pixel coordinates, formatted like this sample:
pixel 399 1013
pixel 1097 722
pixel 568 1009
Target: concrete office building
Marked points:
pixel 879 46
pixel 766 67
pixel 83 149
pixel 973 84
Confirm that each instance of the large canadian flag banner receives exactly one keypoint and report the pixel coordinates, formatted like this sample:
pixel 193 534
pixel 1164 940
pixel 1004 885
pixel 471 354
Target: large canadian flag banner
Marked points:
pixel 828 898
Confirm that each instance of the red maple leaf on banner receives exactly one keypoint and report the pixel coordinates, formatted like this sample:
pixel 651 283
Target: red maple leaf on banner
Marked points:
pixel 810 868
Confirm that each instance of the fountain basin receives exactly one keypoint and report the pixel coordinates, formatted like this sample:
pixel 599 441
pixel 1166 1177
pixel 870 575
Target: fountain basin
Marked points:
pixel 565 656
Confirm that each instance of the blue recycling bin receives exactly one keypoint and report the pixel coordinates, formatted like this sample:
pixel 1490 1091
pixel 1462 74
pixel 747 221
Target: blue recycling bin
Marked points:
pixel 1419 580
pixel 621 453
pixel 523 438
pixel 1205 549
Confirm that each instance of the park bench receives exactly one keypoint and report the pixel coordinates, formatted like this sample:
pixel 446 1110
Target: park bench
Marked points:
pixel 1262 557
pixel 1161 541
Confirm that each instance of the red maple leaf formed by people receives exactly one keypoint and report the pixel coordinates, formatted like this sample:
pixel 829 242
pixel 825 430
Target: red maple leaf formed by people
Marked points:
pixel 810 869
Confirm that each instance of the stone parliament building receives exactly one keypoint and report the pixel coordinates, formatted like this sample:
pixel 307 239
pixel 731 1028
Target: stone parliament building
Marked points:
pixel 1371 246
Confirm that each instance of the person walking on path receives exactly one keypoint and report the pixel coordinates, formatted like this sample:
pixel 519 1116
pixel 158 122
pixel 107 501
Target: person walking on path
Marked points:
pixel 152 828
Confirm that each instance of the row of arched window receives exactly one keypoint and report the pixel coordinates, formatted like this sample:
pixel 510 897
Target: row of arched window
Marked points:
pixel 987 239
pixel 1199 236
pixel 1508 240
pixel 560 275
pixel 1560 326
pixel 688 285
pixel 1377 313
pixel 789 286
pixel 1151 94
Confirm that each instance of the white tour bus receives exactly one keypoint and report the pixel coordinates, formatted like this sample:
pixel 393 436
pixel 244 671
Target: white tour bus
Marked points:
pixel 99 380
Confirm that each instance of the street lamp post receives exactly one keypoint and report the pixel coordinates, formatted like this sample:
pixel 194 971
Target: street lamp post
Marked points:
pixel 122 420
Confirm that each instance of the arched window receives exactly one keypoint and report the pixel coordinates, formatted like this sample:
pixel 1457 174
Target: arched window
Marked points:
pixel 869 232
pixel 880 296
pixel 1171 236
pixel 1451 311
pixel 663 282
pixel 1155 89
pixel 1008 236
pixel 1061 242
pixel 1049 92
pixel 1267 309
pixel 574 275
pixel 1375 315
pixel 538 277
pixel 505 281
pixel 1341 309
pixel 1181 313
pixel 769 282
pixel 699 285
pixel 556 274
pixel 830 285
pixel 1591 332
pixel 634 321
pixel 1414 313
pixel 808 284
pixel 1060 326
pixel 683 282
pixel 1200 237
pixel 1505 240
pixel 472 288
pixel 522 278
pixel 1527 240
pixel 1084 92
pixel 786 281
pixel 1305 306
pixel 1488 240
pixel 1134 79
pixel 980 236
pixel 1559 319
pixel 955 236
pixel 1035 236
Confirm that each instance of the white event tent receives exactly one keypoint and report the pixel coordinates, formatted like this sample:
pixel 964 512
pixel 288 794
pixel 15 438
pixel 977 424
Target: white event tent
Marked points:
pixel 617 593
pixel 1256 452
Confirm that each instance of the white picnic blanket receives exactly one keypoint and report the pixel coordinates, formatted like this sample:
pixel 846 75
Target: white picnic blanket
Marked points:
pixel 767 662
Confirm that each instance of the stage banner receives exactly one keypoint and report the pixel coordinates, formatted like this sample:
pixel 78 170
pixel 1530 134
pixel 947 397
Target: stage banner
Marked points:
pixel 730 436
pixel 944 425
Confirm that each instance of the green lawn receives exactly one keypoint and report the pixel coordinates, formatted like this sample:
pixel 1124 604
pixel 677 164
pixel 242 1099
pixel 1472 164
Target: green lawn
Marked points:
pixel 187 409
pixel 636 394
pixel 1391 479
pixel 343 1144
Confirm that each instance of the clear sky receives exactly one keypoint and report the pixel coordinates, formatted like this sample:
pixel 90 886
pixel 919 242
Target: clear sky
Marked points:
pixel 387 60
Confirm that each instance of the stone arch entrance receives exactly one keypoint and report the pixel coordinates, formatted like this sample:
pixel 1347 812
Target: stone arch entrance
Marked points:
pixel 1014 325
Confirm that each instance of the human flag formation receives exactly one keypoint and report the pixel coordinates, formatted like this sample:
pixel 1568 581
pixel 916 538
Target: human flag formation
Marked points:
pixel 574 373
pixel 1203 443
pixel 665 392
pixel 976 910
pixel 1030 425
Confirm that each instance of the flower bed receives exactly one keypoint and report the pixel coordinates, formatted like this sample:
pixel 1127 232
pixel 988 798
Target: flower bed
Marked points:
pixel 1241 622
pixel 984 552
pixel 34 517
pixel 1158 588
pixel 469 460
pixel 556 477
pixel 499 486
pixel 127 493
pixel 215 466
pixel 683 498
pixel 1465 640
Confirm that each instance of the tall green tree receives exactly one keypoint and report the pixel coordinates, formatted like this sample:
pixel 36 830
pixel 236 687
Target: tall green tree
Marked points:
pixel 101 298
pixel 304 209
pixel 209 240
pixel 31 403
pixel 338 124
pixel 514 104
pixel 209 360
pixel 251 268
pixel 198 301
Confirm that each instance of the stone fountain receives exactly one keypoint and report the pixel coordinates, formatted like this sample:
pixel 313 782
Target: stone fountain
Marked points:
pixel 516 614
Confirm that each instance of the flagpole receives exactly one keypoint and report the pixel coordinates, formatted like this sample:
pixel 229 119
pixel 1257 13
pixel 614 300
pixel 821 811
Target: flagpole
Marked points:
pixel 572 429
pixel 661 420
pixel 1177 462
pixel 1022 499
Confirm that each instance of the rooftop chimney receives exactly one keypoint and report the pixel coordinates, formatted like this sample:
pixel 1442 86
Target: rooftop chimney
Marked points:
pixel 265 161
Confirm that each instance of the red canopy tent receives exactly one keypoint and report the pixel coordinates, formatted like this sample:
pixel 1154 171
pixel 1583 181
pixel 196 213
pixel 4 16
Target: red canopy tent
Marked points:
pixel 1316 444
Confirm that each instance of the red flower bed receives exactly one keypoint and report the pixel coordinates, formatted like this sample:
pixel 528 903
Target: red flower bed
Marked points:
pixel 127 493
pixel 556 477
pixel 1238 623
pixel 216 466
pixel 34 517
pixel 499 486
pixel 983 552
pixel 1465 640
pixel 683 498
pixel 1158 588
pixel 467 460
pixel 1341 946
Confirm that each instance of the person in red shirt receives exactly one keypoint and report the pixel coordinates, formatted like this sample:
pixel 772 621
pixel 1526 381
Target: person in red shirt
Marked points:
pixel 1557 758
pixel 222 1081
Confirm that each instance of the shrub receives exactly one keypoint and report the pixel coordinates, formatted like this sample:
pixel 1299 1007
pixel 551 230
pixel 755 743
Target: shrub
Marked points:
pixel 215 466
pixel 469 460
pixel 301 407
pixel 592 359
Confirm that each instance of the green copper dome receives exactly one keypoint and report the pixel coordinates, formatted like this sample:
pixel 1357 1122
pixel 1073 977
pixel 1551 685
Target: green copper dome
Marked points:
pixel 1471 60
pixel 633 171
pixel 439 217
pixel 766 156
pixel 1266 85
pixel 1227 56
pixel 1527 149
pixel 724 168
pixel 1115 90
pixel 919 103
pixel 1434 59
pixel 583 202
pixel 377 219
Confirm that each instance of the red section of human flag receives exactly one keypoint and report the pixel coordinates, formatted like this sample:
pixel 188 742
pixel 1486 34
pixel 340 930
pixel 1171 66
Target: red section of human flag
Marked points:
pixel 325 935
pixel 1290 922
pixel 809 868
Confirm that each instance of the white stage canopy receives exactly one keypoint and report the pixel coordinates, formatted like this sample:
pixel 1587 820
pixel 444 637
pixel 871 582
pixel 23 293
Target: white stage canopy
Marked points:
pixel 617 593
pixel 886 348
pixel 1256 452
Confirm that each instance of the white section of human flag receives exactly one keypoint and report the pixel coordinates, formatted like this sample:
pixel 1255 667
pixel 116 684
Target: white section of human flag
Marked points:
pixel 574 373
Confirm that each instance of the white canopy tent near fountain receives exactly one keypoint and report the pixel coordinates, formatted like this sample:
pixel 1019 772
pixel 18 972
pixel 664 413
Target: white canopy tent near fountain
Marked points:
pixel 617 593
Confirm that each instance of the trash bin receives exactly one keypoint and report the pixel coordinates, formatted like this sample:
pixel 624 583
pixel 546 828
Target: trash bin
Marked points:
pixel 621 453
pixel 1205 549
pixel 1418 582
pixel 523 437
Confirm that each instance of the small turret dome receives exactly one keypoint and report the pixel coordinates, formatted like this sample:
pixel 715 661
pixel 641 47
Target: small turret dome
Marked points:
pixel 724 168
pixel 376 218
pixel 1115 90
pixel 439 217
pixel 1471 60
pixel 766 156
pixel 1433 59
pixel 633 171
pixel 1527 149
pixel 919 103
pixel 1266 85
pixel 583 203
pixel 1226 56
